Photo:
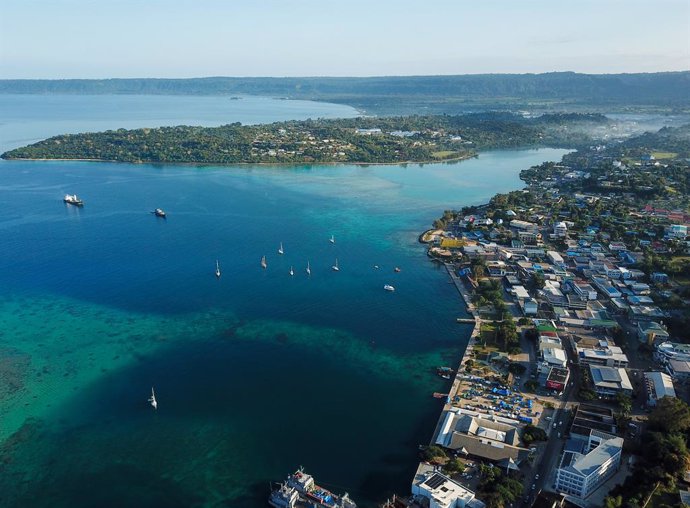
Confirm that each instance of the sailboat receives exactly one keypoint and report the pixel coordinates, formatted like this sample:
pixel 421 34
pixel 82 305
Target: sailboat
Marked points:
pixel 335 266
pixel 263 262
pixel 280 249
pixel 332 240
pixel 217 269
pixel 292 272
pixel 308 269
pixel 152 399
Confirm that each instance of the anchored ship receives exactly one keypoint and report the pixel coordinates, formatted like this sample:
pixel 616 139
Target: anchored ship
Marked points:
pixel 308 494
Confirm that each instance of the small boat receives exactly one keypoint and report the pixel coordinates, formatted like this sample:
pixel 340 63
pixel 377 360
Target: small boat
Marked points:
pixel 396 269
pixel 292 272
pixel 444 372
pixel 217 269
pixel 158 212
pixel 335 266
pixel 72 199
pixel 438 395
pixel 308 269
pixel 332 240
pixel 376 267
pixel 388 287
pixel 152 399
pixel 263 262
pixel 280 249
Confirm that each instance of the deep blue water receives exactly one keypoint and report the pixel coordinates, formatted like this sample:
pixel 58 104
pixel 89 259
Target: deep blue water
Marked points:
pixel 257 372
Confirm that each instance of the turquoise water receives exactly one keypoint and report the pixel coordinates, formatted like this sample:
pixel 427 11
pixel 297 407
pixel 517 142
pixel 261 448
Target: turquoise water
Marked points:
pixel 255 373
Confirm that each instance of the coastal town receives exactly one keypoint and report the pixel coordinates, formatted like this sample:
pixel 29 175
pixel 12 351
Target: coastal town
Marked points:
pixel 573 388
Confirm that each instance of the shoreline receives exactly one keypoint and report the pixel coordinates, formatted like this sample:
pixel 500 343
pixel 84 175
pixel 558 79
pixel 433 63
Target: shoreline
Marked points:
pixel 476 330
pixel 280 164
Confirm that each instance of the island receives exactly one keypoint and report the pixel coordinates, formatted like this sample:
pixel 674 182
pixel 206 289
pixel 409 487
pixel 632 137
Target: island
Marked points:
pixel 362 140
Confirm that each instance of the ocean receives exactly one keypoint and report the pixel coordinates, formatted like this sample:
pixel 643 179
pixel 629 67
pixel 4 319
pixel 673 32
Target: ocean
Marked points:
pixel 257 372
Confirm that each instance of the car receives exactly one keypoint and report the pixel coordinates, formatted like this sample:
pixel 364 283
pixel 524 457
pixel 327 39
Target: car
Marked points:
pixel 533 486
pixel 559 434
pixel 536 477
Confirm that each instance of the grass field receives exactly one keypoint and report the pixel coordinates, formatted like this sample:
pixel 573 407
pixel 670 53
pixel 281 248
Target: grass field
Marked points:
pixel 444 154
pixel 664 155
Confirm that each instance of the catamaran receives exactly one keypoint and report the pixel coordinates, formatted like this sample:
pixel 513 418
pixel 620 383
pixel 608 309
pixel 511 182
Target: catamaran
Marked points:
pixel 335 266
pixel 263 262
pixel 217 269
pixel 152 399
pixel 308 269
pixel 280 249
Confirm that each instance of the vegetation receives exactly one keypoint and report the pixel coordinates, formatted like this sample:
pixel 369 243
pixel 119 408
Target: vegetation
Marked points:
pixel 354 140
pixel 454 466
pixel 664 456
pixel 530 434
pixel 496 488
pixel 410 94
pixel 434 454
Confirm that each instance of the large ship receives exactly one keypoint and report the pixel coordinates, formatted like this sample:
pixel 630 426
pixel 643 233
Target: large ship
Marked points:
pixel 309 494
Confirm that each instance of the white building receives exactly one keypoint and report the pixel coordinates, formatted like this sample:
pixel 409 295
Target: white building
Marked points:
pixel 580 474
pixel 554 257
pixel 560 229
pixel 441 491
pixel 610 381
pixel 659 385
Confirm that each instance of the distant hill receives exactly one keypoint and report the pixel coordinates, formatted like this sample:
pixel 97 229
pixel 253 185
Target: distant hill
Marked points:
pixel 411 94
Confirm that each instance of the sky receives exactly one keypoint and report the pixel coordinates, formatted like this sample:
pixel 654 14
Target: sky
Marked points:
pixel 193 38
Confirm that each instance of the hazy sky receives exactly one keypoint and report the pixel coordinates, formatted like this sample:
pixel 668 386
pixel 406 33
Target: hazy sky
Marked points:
pixel 185 38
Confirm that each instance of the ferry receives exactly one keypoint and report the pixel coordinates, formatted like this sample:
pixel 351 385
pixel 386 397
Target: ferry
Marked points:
pixel 158 212
pixel 314 494
pixel 388 287
pixel 72 199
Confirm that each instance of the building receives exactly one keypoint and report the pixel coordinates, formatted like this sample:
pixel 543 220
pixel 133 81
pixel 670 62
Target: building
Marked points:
pixel 660 277
pixel 489 437
pixel 530 307
pixel 581 472
pixel 651 333
pixel 557 379
pixel 600 352
pixel 560 229
pixel 583 289
pixel 589 418
pixel 678 369
pixel 522 225
pixel 554 357
pixel 678 231
pixel 608 382
pixel 554 257
pixel 441 491
pixel 659 385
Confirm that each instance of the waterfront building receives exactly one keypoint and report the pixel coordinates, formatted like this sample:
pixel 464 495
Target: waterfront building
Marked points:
pixel 581 472
pixel 489 437
pixel 440 491
pixel 659 385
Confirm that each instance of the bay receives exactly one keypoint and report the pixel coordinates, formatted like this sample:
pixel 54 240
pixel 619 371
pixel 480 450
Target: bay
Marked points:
pixel 256 372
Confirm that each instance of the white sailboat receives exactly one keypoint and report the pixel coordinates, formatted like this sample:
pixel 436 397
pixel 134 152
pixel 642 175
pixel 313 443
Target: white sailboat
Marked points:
pixel 292 272
pixel 263 262
pixel 332 240
pixel 280 249
pixel 217 269
pixel 152 399
pixel 335 266
pixel 308 269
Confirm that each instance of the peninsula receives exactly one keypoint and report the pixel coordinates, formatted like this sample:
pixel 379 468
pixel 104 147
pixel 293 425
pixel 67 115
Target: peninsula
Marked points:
pixel 363 140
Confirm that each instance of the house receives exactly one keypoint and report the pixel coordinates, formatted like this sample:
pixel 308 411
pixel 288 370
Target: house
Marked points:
pixel 583 289
pixel 557 379
pixel 608 382
pixel 581 472
pixel 659 385
pixel 600 352
pixel 441 491
pixel 554 257
pixel 677 231
pixel 651 333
